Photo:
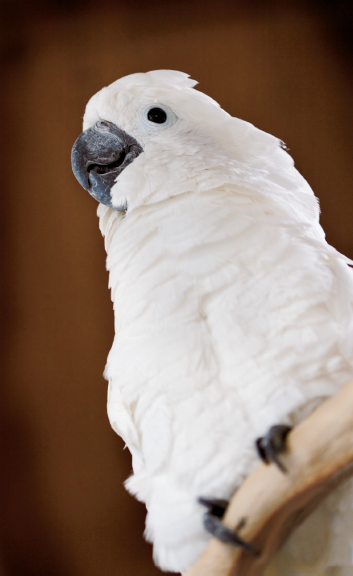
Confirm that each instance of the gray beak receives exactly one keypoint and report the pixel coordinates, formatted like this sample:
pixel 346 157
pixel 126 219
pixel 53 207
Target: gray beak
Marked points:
pixel 99 155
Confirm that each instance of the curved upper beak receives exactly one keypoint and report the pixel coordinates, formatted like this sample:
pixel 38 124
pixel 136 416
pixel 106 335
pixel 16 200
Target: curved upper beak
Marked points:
pixel 99 155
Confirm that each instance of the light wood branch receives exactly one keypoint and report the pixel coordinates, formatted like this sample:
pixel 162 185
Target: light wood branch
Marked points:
pixel 319 457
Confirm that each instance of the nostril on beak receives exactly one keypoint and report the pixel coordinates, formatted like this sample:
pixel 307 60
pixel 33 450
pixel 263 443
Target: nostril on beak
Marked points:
pixel 103 124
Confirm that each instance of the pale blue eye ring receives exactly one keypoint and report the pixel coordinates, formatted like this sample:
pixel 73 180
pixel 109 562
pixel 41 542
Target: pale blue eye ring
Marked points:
pixel 157 117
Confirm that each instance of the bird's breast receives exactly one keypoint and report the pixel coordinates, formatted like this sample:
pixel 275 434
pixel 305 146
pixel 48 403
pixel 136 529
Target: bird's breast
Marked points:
pixel 223 327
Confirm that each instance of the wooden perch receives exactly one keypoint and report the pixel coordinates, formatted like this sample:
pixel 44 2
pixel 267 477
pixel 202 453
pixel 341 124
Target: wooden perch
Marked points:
pixel 319 456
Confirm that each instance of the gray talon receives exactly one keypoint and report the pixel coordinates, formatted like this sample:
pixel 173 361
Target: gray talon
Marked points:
pixel 216 506
pixel 269 446
pixel 214 526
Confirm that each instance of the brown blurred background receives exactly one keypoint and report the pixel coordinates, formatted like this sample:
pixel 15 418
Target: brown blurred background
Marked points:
pixel 284 66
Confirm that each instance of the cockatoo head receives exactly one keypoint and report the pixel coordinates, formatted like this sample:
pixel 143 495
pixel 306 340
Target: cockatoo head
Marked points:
pixel 150 136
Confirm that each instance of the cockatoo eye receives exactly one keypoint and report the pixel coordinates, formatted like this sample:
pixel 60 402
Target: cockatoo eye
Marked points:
pixel 157 115
pixel 155 118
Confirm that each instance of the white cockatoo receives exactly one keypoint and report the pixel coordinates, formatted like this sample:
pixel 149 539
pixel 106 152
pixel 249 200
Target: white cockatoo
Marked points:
pixel 232 313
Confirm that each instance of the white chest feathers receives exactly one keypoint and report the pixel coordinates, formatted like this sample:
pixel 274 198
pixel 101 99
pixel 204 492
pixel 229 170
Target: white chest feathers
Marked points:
pixel 229 317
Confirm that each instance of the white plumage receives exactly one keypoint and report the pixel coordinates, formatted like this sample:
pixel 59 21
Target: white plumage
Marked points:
pixel 232 314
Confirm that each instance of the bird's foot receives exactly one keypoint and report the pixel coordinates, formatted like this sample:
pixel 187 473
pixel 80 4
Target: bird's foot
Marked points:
pixel 274 443
pixel 212 524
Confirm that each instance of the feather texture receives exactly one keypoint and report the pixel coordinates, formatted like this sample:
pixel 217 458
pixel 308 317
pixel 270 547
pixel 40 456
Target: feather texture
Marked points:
pixel 232 314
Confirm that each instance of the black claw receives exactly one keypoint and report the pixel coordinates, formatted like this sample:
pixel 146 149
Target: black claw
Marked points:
pixel 214 526
pixel 216 506
pixel 274 443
